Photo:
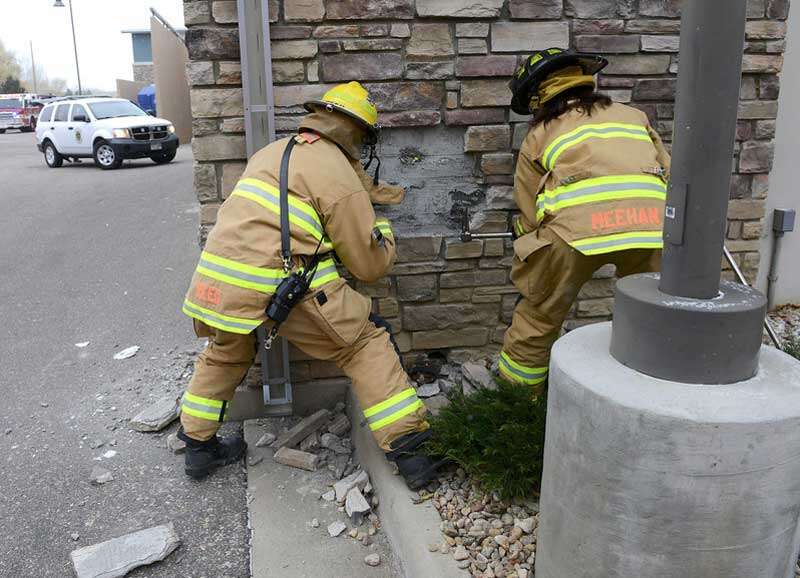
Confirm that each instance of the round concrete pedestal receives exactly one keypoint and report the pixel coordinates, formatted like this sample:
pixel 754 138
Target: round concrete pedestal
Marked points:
pixel 649 478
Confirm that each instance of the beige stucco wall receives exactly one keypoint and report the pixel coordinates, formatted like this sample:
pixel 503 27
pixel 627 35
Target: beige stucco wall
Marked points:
pixel 172 87
pixel 784 190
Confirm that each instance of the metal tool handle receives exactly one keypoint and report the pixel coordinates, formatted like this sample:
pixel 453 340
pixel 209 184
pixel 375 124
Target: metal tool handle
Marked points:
pixel 467 235
pixel 767 325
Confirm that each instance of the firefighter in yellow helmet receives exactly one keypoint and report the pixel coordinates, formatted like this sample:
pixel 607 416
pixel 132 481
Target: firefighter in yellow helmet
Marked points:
pixel 590 184
pixel 330 216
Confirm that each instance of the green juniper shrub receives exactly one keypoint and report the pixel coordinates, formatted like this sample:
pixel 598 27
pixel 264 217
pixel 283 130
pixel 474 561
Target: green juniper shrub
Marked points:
pixel 791 345
pixel 497 436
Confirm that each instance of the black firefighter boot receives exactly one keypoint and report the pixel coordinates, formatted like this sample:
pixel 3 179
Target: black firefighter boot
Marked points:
pixel 416 467
pixel 202 458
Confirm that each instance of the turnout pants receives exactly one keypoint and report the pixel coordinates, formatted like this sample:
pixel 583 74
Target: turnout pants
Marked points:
pixel 550 280
pixel 334 324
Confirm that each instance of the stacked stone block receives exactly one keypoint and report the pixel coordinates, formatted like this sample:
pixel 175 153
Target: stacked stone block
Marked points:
pixel 438 70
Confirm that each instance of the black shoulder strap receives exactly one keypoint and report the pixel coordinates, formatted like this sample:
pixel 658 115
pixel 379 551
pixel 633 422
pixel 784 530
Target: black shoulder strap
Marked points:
pixel 283 185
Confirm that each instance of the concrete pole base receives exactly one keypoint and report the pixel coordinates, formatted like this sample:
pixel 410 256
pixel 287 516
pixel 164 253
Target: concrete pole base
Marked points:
pixel 688 340
pixel 644 477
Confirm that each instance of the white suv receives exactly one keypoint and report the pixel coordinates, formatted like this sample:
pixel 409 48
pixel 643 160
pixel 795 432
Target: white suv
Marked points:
pixel 109 130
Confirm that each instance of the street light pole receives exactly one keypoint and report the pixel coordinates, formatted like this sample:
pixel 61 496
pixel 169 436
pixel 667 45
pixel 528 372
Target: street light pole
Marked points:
pixel 685 326
pixel 60 4
pixel 33 70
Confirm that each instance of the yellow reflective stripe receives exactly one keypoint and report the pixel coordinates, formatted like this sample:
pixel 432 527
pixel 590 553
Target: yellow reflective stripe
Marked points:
pixel 520 228
pixel 275 209
pixel 257 278
pixel 230 280
pixel 520 373
pixel 204 408
pixel 396 416
pixel 370 411
pixel 384 227
pixel 202 400
pixel 619 242
pixel 297 203
pixel 301 214
pixel 236 266
pixel 582 133
pixel 218 320
pixel 613 188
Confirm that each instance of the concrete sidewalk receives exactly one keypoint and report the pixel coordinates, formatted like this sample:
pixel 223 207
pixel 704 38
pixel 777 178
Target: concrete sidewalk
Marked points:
pixel 282 502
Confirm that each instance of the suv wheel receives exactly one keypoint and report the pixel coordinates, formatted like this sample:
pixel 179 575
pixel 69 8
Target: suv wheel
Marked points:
pixel 52 156
pixel 163 158
pixel 105 156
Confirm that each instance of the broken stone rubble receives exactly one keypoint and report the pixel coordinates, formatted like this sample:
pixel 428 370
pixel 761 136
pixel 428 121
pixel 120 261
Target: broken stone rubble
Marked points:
pixel 356 506
pixel 118 556
pixel 156 416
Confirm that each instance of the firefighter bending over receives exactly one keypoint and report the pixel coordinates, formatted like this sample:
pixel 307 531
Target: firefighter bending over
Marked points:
pixel 591 187
pixel 330 215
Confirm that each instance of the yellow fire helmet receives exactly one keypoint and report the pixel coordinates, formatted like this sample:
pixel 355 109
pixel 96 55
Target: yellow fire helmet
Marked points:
pixel 351 99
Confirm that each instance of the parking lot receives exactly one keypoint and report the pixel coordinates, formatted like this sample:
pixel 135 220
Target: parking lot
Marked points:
pixel 101 257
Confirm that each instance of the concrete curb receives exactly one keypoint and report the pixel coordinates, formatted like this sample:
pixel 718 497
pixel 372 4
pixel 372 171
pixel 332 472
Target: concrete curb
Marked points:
pixel 409 527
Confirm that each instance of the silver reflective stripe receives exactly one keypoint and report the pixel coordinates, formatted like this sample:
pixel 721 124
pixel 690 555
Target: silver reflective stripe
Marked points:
pixel 566 142
pixel 201 407
pixel 607 188
pixel 616 243
pixel 276 201
pixel 320 273
pixel 219 321
pixel 410 400
pixel 239 275
pixel 523 374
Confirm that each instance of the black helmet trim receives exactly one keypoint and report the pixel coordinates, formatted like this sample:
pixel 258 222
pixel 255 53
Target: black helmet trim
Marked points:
pixel 539 66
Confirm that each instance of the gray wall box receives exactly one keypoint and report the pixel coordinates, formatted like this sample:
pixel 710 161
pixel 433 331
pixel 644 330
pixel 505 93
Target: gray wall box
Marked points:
pixel 645 477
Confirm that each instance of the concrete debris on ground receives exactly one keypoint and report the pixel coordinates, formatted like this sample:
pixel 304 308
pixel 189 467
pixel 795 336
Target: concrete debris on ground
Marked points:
pixel 156 416
pixel 429 389
pixel 127 353
pixel 339 426
pixel 372 560
pixel 485 535
pixel 119 556
pixel 358 479
pixel 302 430
pixel 75 536
pixel 266 440
pixel 334 443
pixel 312 442
pixel 255 460
pixel 82 344
pixel 336 528
pixel 296 459
pixel 100 476
pixel 178 446
pixel 476 376
pixel 356 505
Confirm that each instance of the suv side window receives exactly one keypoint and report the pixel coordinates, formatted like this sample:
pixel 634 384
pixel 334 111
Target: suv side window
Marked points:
pixel 79 110
pixel 46 114
pixel 62 113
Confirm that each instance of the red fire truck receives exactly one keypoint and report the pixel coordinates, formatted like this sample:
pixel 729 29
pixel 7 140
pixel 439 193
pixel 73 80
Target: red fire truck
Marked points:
pixel 19 111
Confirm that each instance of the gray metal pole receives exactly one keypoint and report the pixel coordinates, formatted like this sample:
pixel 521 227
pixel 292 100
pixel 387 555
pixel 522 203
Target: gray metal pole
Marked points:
pixel 712 36
pixel 75 47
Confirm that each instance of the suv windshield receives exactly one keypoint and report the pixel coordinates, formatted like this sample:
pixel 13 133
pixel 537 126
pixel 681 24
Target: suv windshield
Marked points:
pixel 115 108
pixel 10 103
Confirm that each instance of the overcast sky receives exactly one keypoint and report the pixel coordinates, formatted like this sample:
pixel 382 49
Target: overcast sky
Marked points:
pixel 104 53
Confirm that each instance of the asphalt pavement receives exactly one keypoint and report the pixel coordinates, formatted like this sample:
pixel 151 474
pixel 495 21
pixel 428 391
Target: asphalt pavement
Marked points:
pixel 102 257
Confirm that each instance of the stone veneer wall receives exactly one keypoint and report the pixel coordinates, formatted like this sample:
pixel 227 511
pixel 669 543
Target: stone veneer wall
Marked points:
pixel 438 70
